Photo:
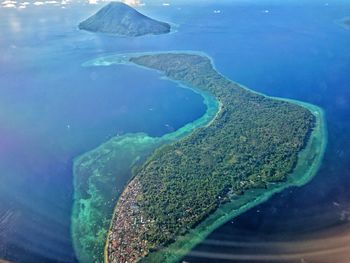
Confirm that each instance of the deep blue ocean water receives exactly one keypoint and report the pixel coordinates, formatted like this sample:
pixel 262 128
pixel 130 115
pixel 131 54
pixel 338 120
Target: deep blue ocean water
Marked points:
pixel 52 109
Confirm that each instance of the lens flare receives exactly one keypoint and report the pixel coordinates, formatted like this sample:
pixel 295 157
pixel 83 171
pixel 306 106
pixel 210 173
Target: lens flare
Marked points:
pixel 326 247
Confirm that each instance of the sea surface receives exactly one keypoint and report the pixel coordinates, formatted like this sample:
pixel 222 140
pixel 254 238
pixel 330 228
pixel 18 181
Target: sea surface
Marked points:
pixel 52 110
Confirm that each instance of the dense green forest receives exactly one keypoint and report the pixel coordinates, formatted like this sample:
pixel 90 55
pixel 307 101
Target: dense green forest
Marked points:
pixel 254 140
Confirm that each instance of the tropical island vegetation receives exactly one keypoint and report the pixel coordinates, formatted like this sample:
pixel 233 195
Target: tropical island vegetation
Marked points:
pixel 100 175
pixel 253 142
pixel 117 18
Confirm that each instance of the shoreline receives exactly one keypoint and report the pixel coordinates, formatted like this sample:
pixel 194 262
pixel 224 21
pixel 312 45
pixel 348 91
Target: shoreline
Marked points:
pixel 212 110
pixel 185 243
pixel 299 177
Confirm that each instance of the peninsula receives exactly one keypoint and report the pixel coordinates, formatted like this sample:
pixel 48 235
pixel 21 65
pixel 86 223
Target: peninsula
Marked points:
pixel 117 18
pixel 254 147
pixel 100 175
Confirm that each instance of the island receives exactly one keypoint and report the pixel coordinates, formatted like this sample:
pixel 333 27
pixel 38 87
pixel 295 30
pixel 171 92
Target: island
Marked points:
pixel 155 198
pixel 347 22
pixel 344 22
pixel 117 18
pixel 253 147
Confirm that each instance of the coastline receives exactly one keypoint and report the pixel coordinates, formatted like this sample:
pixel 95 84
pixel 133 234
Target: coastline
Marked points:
pixel 316 143
pixel 251 198
pixel 309 161
pixel 143 146
pixel 90 208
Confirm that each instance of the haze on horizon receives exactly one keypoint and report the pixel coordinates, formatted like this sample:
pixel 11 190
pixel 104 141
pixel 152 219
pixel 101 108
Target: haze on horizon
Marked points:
pixel 22 4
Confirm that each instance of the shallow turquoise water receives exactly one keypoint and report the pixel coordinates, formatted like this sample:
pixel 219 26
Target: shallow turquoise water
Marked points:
pixel 101 174
pixel 52 109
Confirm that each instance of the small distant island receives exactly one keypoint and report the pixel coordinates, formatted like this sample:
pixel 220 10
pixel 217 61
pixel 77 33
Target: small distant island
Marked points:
pixel 347 22
pixel 120 19
pixel 344 22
